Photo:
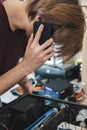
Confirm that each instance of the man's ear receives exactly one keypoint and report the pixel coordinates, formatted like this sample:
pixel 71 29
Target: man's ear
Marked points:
pixel 37 18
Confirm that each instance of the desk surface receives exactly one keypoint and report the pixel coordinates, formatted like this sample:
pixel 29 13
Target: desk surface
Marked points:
pixel 7 97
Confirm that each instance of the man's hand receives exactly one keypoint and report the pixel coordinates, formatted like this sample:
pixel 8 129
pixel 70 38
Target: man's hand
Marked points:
pixel 36 54
pixel 28 87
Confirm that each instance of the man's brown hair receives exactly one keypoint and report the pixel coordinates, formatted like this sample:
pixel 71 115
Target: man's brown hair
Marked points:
pixel 67 20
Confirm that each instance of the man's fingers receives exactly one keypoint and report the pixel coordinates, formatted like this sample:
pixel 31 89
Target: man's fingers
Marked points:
pixel 47 44
pixel 30 40
pixel 49 49
pixel 38 33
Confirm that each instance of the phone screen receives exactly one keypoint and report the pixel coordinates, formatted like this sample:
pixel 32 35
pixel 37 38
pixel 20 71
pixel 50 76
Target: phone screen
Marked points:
pixel 46 33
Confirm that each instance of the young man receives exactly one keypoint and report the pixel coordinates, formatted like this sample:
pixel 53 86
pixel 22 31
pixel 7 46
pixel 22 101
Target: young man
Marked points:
pixel 17 40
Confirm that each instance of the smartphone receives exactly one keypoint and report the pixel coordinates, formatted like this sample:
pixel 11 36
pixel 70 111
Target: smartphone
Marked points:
pixel 46 33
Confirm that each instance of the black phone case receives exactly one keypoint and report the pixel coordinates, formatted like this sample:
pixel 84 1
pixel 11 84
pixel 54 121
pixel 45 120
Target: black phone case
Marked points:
pixel 46 33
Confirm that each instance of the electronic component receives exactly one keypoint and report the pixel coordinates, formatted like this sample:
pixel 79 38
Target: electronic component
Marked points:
pixel 59 88
pixel 53 72
pixel 67 126
pixel 44 122
pixel 56 89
